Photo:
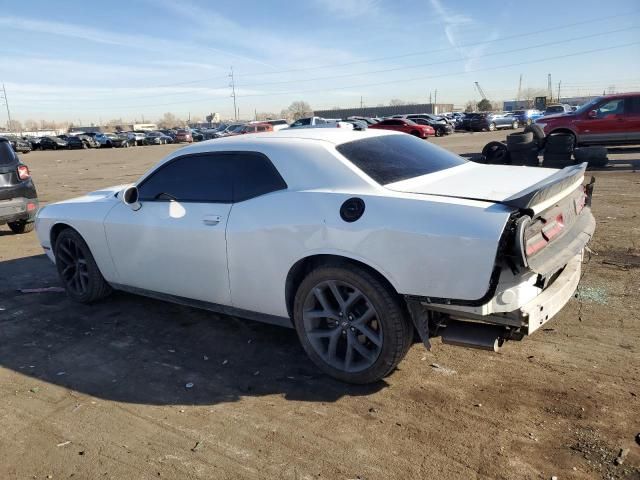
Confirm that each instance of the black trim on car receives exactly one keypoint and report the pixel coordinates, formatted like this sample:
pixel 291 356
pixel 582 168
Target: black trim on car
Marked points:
pixel 213 307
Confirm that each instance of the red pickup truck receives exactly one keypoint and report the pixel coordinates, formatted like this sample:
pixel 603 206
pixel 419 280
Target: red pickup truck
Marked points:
pixel 606 120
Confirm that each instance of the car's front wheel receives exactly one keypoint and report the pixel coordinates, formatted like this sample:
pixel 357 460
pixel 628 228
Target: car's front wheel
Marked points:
pixel 77 269
pixel 492 127
pixel 351 324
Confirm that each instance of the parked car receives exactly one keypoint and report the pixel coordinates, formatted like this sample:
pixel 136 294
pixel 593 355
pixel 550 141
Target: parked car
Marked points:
pixel 527 117
pixel 75 143
pixel 51 143
pixel 18 196
pixel 197 135
pixel 405 125
pixel 89 141
pixel 390 235
pixel 169 132
pixel 19 145
pixel 440 126
pixel 123 140
pixel 183 136
pixel 606 120
pixel 254 128
pixel 466 120
pixel 367 120
pixel 357 124
pixel 556 108
pixel 319 122
pixel 139 137
pixel 158 138
pixel 493 121
pixel 35 142
pixel 229 130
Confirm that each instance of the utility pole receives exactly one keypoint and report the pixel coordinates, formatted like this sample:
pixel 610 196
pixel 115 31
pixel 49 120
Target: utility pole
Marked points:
pixel 559 83
pixel 519 92
pixel 435 97
pixel 549 90
pixel 6 102
pixel 233 94
pixel 430 99
pixel 360 101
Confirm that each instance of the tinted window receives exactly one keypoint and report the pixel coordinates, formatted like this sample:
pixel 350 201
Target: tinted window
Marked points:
pixel 633 105
pixel 7 157
pixel 612 107
pixel 393 158
pixel 255 175
pixel 302 121
pixel 195 178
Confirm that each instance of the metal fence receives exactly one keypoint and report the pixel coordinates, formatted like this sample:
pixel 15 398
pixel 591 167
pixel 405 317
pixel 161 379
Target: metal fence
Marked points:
pixel 385 111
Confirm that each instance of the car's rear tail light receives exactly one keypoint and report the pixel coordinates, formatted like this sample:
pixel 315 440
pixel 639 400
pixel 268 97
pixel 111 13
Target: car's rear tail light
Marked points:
pixel 23 172
pixel 31 207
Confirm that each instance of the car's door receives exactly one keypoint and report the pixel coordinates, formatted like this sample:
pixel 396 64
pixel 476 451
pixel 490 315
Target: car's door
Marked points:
pixel 175 243
pixel 608 126
pixel 632 119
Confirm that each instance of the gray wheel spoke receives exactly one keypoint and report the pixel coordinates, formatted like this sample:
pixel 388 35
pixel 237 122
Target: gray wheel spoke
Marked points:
pixel 370 334
pixel 362 350
pixel 322 333
pixel 321 314
pixel 363 318
pixel 333 343
pixel 337 295
pixel 348 357
pixel 352 299
pixel 322 299
pixel 66 270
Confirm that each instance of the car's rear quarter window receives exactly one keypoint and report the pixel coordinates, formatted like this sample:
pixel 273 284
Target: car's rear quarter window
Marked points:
pixel 393 158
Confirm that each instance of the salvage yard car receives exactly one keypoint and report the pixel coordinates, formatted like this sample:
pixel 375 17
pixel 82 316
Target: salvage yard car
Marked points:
pixel 18 197
pixel 607 120
pixel 355 238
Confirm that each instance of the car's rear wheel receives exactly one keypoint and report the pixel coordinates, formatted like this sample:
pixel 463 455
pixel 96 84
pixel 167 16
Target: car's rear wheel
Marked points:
pixel 492 127
pixel 77 269
pixel 351 324
pixel 21 226
pixel 514 125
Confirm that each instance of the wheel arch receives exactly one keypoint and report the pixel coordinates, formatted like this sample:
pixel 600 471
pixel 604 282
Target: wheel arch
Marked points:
pixel 563 130
pixel 302 267
pixel 55 231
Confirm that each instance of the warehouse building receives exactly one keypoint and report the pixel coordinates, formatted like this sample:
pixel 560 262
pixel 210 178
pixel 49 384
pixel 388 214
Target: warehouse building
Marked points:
pixel 385 111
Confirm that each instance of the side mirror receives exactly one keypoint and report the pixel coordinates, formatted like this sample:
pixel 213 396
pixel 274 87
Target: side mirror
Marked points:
pixel 130 198
pixel 593 114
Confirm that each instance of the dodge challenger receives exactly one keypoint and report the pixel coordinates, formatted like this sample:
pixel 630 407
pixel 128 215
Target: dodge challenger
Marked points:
pixel 360 240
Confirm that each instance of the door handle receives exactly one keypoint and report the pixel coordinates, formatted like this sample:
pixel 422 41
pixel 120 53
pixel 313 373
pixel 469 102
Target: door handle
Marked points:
pixel 211 220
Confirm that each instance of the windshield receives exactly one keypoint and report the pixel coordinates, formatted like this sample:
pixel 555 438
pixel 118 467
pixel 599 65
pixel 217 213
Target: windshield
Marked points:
pixel 302 121
pixel 393 158
pixel 588 105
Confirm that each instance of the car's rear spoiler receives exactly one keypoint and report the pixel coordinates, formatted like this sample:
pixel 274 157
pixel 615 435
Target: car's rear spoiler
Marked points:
pixel 546 188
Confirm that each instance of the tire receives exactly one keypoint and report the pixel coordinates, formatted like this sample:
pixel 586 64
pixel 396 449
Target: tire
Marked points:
pixel 492 127
pixel 439 132
pixel 556 160
pixel 514 125
pixel 496 153
pixel 538 134
pixel 594 156
pixel 388 325
pixel 21 226
pixel 527 158
pixel 519 137
pixel 560 143
pixel 77 269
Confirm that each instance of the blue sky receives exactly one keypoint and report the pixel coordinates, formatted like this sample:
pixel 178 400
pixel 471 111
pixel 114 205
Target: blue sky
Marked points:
pixel 79 61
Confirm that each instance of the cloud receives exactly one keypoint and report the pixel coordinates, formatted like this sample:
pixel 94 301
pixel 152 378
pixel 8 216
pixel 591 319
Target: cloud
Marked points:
pixel 453 23
pixel 347 9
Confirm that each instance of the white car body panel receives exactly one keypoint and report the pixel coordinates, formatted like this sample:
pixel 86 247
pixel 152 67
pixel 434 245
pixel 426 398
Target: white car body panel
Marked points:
pixel 435 235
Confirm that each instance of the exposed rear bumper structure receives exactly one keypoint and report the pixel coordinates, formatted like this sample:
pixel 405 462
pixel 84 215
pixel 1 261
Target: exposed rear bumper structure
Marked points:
pixel 17 209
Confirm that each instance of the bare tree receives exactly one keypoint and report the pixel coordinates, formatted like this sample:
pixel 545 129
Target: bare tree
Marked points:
pixel 484 105
pixel 529 95
pixel 395 102
pixel 169 120
pixel 31 125
pixel 266 116
pixel 14 126
pixel 299 109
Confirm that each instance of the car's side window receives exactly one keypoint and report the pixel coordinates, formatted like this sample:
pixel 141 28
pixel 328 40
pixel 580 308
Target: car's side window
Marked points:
pixel 254 175
pixel 633 106
pixel 613 107
pixel 205 178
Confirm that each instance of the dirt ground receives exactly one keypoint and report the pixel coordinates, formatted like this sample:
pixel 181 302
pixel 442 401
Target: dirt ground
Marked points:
pixel 100 391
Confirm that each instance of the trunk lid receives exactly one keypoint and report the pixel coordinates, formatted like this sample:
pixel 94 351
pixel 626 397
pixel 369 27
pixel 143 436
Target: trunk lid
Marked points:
pixel 519 187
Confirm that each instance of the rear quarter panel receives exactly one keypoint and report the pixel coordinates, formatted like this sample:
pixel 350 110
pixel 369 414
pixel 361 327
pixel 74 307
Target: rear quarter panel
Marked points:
pixel 425 246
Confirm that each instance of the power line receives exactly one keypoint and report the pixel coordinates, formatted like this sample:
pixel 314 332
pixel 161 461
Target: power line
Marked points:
pixel 405 80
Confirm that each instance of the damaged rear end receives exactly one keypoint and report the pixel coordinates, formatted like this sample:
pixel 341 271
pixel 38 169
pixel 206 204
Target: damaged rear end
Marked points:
pixel 536 272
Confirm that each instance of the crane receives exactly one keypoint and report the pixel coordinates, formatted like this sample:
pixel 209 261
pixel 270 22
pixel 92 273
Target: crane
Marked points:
pixel 480 91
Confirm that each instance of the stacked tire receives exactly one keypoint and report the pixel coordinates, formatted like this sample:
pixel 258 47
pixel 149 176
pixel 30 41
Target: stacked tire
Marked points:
pixel 496 153
pixel 523 150
pixel 538 134
pixel 596 157
pixel 558 150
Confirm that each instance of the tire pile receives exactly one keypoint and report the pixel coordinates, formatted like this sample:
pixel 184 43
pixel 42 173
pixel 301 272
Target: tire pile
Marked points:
pixel 522 148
